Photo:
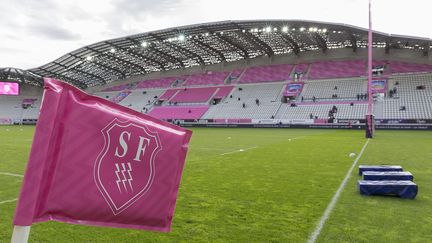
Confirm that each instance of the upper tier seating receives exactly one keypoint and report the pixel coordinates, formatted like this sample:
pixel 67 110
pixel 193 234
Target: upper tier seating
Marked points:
pixel 269 96
pixel 179 112
pixel 156 83
pixel 404 67
pixel 347 89
pixel 337 69
pixel 209 78
pixel 118 87
pixel 267 74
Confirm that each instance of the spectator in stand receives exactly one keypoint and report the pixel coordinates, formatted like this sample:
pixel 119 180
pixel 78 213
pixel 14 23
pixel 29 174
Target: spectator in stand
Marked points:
pixel 313 98
pixel 239 98
pixel 358 96
pixel 244 105
pixel 257 101
pixel 335 88
pixel 272 117
pixel 394 90
pixel 334 109
pixel 230 96
pixel 310 116
pixel 302 99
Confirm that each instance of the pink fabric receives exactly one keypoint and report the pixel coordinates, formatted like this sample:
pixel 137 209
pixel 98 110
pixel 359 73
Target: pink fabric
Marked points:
pixel 179 112
pixel 209 78
pixel 337 69
pixel 194 95
pixel 94 162
pixel 156 83
pixel 223 92
pixel 267 74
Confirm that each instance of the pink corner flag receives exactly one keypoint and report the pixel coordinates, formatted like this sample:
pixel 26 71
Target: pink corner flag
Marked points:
pixel 94 162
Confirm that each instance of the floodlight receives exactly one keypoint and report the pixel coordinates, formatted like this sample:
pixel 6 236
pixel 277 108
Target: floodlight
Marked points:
pixel 181 37
pixel 144 44
pixel 285 29
pixel 113 50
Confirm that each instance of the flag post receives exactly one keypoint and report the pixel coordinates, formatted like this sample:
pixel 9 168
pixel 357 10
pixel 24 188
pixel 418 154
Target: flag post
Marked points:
pixel 370 119
pixel 20 234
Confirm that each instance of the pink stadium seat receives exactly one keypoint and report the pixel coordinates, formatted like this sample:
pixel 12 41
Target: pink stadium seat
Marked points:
pixel 156 83
pixel 267 74
pixel 194 95
pixel 168 94
pixel 337 69
pixel 209 78
pixel 403 67
pixel 223 92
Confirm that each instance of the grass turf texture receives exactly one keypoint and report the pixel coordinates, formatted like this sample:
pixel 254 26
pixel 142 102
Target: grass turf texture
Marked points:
pixel 275 190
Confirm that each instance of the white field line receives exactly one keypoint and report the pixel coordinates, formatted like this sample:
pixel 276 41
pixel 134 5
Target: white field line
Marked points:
pixel 8 201
pixel 239 150
pixel 313 237
pixel 11 174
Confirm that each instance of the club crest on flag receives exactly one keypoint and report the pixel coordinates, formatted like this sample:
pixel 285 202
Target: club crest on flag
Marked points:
pixel 124 170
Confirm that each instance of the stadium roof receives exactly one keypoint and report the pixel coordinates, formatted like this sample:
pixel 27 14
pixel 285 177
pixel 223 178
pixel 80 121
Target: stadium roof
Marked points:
pixel 211 43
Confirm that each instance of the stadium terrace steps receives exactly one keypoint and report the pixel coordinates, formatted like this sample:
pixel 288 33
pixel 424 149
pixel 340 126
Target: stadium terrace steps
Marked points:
pixel 179 112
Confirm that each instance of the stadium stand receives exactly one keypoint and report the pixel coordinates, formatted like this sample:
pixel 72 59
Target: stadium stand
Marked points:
pixel 344 89
pixel 209 78
pixel 337 69
pixel 268 95
pixel 193 95
pixel 156 83
pixel 267 74
pixel 141 100
pixel 321 111
pixel 413 99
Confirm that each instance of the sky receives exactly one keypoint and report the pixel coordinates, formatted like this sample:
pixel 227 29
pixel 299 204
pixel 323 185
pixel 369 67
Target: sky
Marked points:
pixel 35 32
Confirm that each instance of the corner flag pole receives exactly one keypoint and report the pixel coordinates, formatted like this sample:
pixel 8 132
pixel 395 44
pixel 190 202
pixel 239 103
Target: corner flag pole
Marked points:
pixel 20 234
pixel 370 120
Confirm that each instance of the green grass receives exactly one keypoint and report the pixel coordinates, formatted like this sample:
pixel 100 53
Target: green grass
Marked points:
pixel 274 191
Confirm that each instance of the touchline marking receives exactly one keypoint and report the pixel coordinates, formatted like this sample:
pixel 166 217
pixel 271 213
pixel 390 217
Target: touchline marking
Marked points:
pixel 313 237
pixel 239 150
pixel 11 174
pixel 8 201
